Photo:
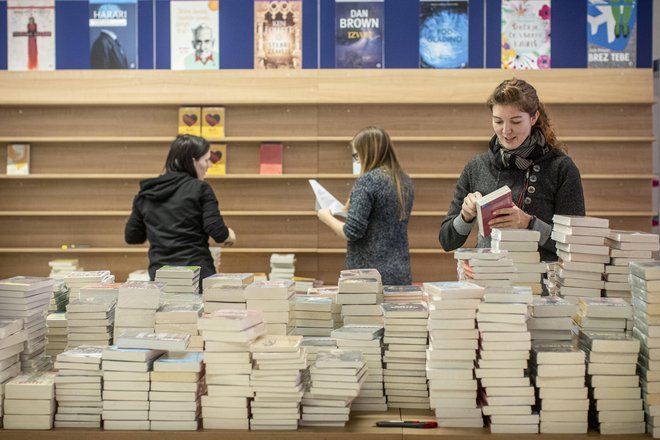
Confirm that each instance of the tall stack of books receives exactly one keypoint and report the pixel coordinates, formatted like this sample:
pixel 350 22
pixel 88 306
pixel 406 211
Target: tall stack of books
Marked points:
pixel 485 267
pixel 314 344
pixel 282 266
pixel 12 342
pixel 61 267
pixel 506 393
pixel 626 247
pixel 604 315
pixel 76 280
pixel 78 388
pixel 225 291
pixel 90 322
pixel 30 401
pixel 181 283
pixel 312 315
pixel 522 246
pixel 227 337
pixel 453 344
pixel 137 302
pixel 26 298
pixel 551 319
pixel 403 294
pixel 177 383
pixel 360 292
pixel 405 358
pixel 645 282
pixel 180 317
pixel 108 291
pixel 367 340
pixel 330 292
pixel 613 383
pixel 583 253
pixel 336 378
pixel 559 371
pixel 56 333
pixel 278 380
pixel 275 299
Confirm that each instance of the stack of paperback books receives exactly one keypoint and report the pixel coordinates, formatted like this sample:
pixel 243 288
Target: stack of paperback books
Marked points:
pixel 137 303
pixel 78 388
pixel 313 315
pixel 367 340
pixel 278 380
pixel 453 344
pixel 559 372
pixel 181 317
pixel 405 356
pixel 604 315
pixel 336 379
pixel 26 299
pixel 275 299
pixel 329 292
pixel 360 292
pixel 126 385
pixel 78 279
pixel 551 319
pixel 109 291
pixel 626 247
pixel 30 401
pixel 56 333
pixel 522 246
pixel 282 266
pixel 12 340
pixel 485 267
pixel 227 335
pixel 181 282
pixel 177 383
pixel 314 344
pixel 61 267
pixel 403 294
pixel 90 321
pixel 226 291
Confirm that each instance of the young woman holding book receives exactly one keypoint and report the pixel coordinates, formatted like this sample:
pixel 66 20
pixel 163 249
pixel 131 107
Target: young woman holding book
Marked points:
pixel 525 155
pixel 178 212
pixel 376 228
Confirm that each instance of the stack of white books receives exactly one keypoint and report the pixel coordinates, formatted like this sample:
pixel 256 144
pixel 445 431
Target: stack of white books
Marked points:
pixel 181 282
pixel 360 299
pixel 56 333
pixel 485 266
pixel 225 291
pixel 403 294
pixel 330 292
pixel 583 254
pixel 275 299
pixel 506 392
pixel 645 282
pixel 177 383
pixel 78 388
pixel 108 291
pixel 559 371
pixel 61 267
pixel 137 303
pixel 126 384
pixel 551 319
pixel 12 342
pixel 282 266
pixel 78 279
pixel 626 247
pixel 368 340
pixel 613 383
pixel 314 344
pixel 550 282
pixel 303 284
pixel 227 336
pixel 453 343
pixel 27 298
pixel 604 315
pixel 405 358
pixel 278 380
pixel 336 378
pixel 523 249
pixel 312 315
pixel 90 321
pixel 30 401
pixel 181 317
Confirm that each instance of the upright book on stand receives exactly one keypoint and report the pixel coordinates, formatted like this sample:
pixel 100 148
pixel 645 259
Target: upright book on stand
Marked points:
pixel 18 159
pixel 498 199
pixel 270 158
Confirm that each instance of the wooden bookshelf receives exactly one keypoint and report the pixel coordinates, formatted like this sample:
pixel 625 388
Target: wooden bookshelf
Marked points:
pixel 95 134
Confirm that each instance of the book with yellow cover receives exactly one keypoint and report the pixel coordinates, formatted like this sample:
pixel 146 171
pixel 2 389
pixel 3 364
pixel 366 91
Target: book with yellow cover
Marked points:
pixel 218 160
pixel 18 159
pixel 190 120
pixel 213 122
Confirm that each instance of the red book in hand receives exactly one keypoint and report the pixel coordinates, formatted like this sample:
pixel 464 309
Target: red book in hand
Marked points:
pixel 271 159
pixel 498 199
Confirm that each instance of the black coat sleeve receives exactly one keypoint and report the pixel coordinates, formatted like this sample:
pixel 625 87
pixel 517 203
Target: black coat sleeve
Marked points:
pixel 214 225
pixel 135 231
pixel 449 237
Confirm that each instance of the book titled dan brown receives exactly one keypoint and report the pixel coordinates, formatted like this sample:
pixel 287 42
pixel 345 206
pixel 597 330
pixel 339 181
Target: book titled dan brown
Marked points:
pixel 270 158
pixel 488 204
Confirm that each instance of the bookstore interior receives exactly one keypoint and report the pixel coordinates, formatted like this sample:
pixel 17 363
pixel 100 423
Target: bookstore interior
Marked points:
pixel 209 207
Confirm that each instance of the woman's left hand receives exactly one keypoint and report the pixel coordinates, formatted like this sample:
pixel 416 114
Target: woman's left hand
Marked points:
pixel 510 218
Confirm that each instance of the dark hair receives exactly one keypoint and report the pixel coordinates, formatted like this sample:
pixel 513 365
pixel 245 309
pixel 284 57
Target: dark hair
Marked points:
pixel 183 150
pixel 522 94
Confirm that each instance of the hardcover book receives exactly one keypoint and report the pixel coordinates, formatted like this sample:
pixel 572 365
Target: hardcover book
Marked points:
pixel 213 122
pixel 31 34
pixel 525 34
pixel 359 34
pixel 218 160
pixel 278 34
pixel 271 159
pixel 18 159
pixel 612 33
pixel 488 204
pixel 190 120
pixel 194 32
pixel 443 34
pixel 113 35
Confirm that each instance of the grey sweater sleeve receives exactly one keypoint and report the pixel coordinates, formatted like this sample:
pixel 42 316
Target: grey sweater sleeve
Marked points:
pixel 454 230
pixel 359 208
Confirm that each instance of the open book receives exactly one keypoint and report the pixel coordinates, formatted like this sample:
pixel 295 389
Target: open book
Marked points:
pixel 498 199
pixel 326 200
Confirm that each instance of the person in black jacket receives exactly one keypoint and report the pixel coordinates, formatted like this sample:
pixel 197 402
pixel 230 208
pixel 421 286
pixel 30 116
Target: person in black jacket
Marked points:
pixel 178 212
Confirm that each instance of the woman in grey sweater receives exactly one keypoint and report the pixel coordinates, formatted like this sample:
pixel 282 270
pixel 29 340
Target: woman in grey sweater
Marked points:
pixel 525 155
pixel 379 207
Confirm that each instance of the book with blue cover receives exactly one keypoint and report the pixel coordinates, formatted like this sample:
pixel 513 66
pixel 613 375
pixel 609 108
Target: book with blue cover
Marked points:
pixel 612 33
pixel 443 34
pixel 359 34
pixel 113 35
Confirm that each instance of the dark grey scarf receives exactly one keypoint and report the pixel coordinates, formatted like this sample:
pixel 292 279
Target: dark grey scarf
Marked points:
pixel 523 156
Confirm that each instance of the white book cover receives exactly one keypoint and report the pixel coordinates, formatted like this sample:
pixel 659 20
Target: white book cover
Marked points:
pixel 155 341
pixel 180 361
pixel 25 283
pixel 31 34
pixel 581 221
pixel 276 343
pixel 325 200
pixel 86 354
pixel 194 35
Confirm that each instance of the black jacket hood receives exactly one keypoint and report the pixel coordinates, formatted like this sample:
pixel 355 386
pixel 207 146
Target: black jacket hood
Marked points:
pixel 162 187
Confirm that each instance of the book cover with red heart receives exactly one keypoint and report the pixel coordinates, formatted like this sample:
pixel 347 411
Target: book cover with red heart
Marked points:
pixel 218 160
pixel 498 199
pixel 213 123
pixel 190 120
pixel 271 158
